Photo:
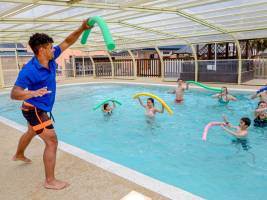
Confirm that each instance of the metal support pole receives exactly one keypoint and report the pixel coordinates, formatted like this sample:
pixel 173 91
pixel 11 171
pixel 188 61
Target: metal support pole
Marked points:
pixel 112 66
pixel 239 76
pixel 83 67
pixel 196 61
pixel 93 63
pixel 2 82
pixel 215 55
pixel 73 66
pixel 17 60
pixel 161 62
pixel 134 63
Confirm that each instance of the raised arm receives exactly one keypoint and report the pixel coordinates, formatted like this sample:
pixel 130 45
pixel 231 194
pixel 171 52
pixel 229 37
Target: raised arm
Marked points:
pixel 113 105
pixel 232 98
pixel 226 121
pixel 255 96
pixel 216 95
pixel 19 93
pixel 187 86
pixel 73 37
pixel 160 111
pixel 141 103
pixel 258 111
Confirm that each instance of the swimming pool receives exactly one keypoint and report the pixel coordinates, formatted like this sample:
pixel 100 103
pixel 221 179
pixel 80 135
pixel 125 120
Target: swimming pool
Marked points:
pixel 169 148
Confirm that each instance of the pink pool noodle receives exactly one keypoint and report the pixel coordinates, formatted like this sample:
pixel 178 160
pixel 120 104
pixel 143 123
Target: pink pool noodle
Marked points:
pixel 205 133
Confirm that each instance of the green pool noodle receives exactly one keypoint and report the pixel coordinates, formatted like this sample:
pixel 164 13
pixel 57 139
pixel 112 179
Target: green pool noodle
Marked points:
pixel 204 86
pixel 106 101
pixel 104 29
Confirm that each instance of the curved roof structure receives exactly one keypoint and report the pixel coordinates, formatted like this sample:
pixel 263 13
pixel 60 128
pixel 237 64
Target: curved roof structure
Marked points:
pixel 136 23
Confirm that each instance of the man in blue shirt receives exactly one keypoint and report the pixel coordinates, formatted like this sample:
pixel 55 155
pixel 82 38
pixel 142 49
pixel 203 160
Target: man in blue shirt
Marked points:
pixel 36 87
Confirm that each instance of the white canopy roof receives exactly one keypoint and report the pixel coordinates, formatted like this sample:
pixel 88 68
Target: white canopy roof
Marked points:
pixel 136 23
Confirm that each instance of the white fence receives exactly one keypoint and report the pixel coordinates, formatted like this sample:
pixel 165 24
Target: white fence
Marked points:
pixel 208 70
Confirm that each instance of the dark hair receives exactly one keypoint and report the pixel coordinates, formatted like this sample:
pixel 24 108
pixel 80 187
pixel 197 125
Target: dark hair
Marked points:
pixel 105 106
pixel 246 120
pixel 152 100
pixel 179 79
pixel 226 89
pixel 261 103
pixel 38 40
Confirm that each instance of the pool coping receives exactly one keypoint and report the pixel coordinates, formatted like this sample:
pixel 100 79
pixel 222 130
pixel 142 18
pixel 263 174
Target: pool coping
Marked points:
pixel 136 177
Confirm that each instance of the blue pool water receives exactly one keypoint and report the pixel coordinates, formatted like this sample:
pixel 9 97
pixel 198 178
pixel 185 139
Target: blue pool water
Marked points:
pixel 169 148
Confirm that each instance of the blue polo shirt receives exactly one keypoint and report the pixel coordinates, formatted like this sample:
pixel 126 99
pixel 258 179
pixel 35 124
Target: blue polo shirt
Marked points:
pixel 34 76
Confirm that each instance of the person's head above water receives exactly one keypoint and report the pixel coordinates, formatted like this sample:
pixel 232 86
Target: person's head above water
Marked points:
pixel 262 104
pixel 244 122
pixel 224 90
pixel 150 102
pixel 180 81
pixel 106 107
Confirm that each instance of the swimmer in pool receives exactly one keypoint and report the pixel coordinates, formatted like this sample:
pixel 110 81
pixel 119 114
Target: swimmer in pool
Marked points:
pixel 150 109
pixel 179 91
pixel 262 96
pixel 107 109
pixel 224 97
pixel 240 132
pixel 261 115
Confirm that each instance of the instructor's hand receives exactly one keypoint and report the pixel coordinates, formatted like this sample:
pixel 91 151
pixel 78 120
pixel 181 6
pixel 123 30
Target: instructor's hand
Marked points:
pixel 39 93
pixel 85 26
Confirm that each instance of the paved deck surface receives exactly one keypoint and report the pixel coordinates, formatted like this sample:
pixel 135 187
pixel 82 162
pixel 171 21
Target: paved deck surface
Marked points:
pixel 19 181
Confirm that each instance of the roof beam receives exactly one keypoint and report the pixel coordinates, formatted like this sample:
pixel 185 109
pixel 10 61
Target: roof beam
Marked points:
pixel 135 3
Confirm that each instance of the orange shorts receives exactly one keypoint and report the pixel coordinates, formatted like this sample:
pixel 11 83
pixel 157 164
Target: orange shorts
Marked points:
pixel 37 118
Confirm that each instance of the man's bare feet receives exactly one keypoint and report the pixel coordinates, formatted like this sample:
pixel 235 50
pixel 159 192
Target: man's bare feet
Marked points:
pixel 21 158
pixel 56 185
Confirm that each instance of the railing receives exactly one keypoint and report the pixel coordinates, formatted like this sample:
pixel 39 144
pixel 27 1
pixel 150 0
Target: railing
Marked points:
pixel 10 66
pixel 148 67
pixel 172 67
pixel 103 69
pixel 123 68
pixel 208 70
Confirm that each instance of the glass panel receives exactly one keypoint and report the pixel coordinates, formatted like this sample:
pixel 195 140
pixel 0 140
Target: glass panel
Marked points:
pixel 39 11
pixel 49 26
pixel 24 27
pixel 107 1
pixel 252 34
pixel 97 12
pixel 71 12
pixel 154 17
pixel 210 38
pixel 7 6
pixel 6 26
pixel 224 5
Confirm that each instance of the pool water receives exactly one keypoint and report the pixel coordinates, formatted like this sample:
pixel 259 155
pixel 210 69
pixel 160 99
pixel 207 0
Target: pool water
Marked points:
pixel 168 148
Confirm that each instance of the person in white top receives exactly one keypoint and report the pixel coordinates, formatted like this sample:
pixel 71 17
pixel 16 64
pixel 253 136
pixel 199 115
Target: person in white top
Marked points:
pixel 150 109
